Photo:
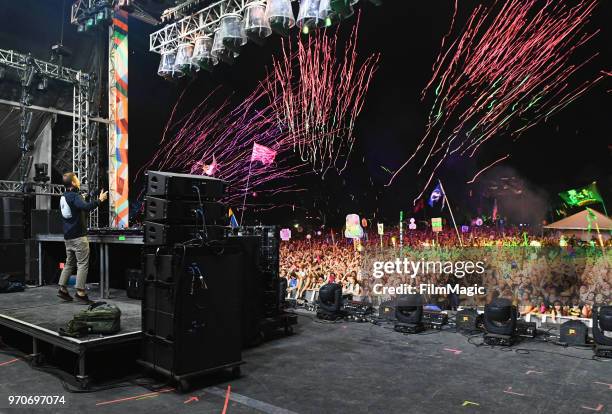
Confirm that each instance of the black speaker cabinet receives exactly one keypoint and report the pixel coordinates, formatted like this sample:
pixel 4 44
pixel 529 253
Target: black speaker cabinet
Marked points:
pixel 468 320
pixel 184 211
pixel 158 234
pixel 573 333
pixel 202 330
pixel 184 186
pixel 46 222
pixel 13 259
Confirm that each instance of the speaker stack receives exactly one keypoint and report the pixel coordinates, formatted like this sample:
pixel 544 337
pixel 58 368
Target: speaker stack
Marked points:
pixel 264 290
pixel 193 280
pixel 13 228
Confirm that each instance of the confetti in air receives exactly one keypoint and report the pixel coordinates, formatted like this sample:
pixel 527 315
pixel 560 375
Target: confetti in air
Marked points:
pixel 318 92
pixel 313 132
pixel 508 69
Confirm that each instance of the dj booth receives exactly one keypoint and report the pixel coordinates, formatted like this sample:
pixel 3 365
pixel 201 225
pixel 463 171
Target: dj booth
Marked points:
pixel 102 240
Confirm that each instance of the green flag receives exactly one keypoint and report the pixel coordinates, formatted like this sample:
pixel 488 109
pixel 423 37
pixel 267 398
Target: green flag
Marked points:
pixel 582 196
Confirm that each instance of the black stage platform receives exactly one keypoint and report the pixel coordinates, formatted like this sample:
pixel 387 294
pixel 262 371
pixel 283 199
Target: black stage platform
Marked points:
pixel 39 313
pixel 353 368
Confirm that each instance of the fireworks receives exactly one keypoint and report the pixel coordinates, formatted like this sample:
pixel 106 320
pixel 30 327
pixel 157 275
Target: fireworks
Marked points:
pixel 505 72
pixel 307 119
pixel 320 100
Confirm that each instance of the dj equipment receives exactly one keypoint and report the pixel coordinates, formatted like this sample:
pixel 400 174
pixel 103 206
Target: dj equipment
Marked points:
pixel 573 333
pixel 434 319
pixel 192 310
pixel 358 311
pixel 46 222
pixel 526 329
pixel 468 320
pixel 184 186
pixel 157 234
pixel 185 212
pixel 134 283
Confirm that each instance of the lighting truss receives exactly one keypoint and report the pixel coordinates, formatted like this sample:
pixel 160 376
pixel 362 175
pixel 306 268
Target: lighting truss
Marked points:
pixel 21 62
pixel 84 156
pixel 16 187
pixel 202 21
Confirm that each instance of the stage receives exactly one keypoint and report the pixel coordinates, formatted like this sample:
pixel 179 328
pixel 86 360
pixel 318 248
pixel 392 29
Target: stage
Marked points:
pixel 39 313
pixel 362 368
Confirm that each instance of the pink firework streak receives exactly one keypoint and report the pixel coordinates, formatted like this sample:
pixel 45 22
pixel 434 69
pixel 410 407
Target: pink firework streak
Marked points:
pixel 318 93
pixel 219 140
pixel 505 72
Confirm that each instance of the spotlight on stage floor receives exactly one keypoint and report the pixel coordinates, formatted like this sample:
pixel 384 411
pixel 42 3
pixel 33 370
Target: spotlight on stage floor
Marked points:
pixel 330 302
pixel 409 314
pixel 500 322
pixel 602 331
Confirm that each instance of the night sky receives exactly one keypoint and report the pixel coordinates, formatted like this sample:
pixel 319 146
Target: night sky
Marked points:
pixel 571 149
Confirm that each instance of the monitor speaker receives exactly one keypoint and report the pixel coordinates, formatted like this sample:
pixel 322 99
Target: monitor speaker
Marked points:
pixel 468 320
pixel 573 333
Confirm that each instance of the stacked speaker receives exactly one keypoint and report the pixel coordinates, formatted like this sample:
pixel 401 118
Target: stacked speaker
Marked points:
pixel 193 279
pixel 14 226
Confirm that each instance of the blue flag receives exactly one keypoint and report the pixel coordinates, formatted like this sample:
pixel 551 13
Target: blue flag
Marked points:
pixel 436 195
pixel 233 221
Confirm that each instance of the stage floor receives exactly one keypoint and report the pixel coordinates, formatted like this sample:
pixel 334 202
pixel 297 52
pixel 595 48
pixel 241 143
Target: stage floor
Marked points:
pixel 362 368
pixel 41 307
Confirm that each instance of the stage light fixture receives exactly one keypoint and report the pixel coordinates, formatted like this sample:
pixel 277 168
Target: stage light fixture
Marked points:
pixel 220 52
pixel 2 72
pixel 255 25
pixel 330 302
pixel 500 322
pixel 166 64
pixel 43 84
pixel 182 63
pixel 41 173
pixel 309 15
pixel 231 32
pixel 342 8
pixel 202 56
pixel 409 314
pixel 602 330
pixel 280 16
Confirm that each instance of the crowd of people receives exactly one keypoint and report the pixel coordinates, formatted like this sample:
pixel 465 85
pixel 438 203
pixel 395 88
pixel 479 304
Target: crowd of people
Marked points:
pixel 549 275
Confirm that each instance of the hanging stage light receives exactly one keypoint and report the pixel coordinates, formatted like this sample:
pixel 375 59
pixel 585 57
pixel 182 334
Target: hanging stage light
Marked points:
pixel 602 331
pixel 342 8
pixel 182 64
pixel 202 56
pixel 219 50
pixel 166 64
pixel 231 32
pixel 255 25
pixel 500 322
pixel 280 16
pixel 309 16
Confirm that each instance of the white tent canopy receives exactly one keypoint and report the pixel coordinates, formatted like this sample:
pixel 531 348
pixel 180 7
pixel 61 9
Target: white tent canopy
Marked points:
pixel 580 221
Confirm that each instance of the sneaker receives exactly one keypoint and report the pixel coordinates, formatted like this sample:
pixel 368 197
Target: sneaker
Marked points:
pixel 84 299
pixel 64 295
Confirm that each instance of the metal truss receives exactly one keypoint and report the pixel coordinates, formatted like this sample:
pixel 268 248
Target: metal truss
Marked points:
pixel 84 156
pixel 20 62
pixel 80 10
pixel 15 187
pixel 203 21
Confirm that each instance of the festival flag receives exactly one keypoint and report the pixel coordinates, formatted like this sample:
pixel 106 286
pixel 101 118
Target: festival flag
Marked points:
pixel 233 221
pixel 262 153
pixel 582 196
pixel 494 214
pixel 436 195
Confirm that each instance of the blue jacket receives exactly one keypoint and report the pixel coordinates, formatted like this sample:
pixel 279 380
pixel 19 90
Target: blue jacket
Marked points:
pixel 74 214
